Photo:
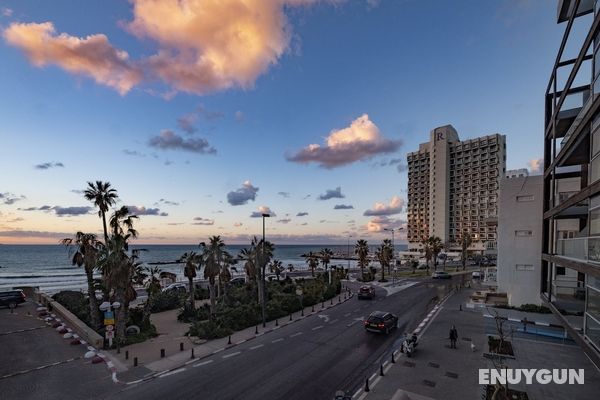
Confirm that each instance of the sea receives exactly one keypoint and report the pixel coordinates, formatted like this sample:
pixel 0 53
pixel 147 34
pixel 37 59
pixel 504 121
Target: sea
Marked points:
pixel 49 267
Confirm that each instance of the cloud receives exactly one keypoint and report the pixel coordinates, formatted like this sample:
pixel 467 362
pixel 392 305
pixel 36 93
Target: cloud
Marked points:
pixel 262 210
pixel 168 202
pixel 304 223
pixel 10 198
pixel 306 197
pixel 133 153
pixel 284 220
pixel 77 191
pixel 359 141
pixel 48 165
pixel 332 194
pixel 203 221
pixel 242 195
pixel 35 234
pixel 239 116
pixel 17 219
pixel 7 12
pixel 535 165
pixel 237 224
pixel 187 123
pixel 141 210
pixel 284 194
pixel 395 206
pixel 71 211
pixel 373 4
pixel 302 214
pixel 175 223
pixel 380 223
pixel 42 208
pixel 343 207
pixel 92 56
pixel 169 140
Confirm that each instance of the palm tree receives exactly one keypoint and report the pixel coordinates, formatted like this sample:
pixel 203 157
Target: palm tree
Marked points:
pixel 86 255
pixel 382 256
pixel 213 255
pixel 276 267
pixel 249 258
pixel 103 196
pixel 361 249
pixel 326 255
pixel 192 262
pixel 121 222
pixel 436 247
pixel 427 249
pixel 225 273
pixel 465 243
pixel 313 261
pixel 152 284
pixel 389 253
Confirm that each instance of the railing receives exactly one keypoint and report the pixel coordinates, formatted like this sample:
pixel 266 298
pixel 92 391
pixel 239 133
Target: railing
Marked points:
pixel 585 106
pixel 584 248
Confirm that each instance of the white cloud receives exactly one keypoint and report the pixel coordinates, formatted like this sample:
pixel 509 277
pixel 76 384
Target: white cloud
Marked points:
pixel 395 206
pixel 535 165
pixel 262 210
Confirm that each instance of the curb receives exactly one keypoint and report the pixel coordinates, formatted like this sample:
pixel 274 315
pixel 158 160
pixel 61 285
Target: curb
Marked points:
pixel 181 368
pixel 383 369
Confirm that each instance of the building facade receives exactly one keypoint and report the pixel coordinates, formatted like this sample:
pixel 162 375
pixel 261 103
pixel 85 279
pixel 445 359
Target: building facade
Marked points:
pixel 453 188
pixel 570 275
pixel 520 238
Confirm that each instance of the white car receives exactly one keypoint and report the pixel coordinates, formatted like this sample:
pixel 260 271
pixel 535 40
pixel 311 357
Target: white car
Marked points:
pixel 477 275
pixel 176 287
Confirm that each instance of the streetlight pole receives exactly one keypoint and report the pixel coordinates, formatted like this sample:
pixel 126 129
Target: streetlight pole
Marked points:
pixel 262 267
pixel 348 253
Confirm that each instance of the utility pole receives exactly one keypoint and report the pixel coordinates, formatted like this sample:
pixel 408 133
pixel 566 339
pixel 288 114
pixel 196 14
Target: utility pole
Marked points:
pixel 263 270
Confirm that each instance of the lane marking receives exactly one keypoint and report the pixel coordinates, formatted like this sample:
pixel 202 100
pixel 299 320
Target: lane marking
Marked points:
pixel 277 340
pixel 347 314
pixel 232 354
pixel 172 372
pixel 202 363
pixel 334 321
pixel 256 347
pixel 241 341
pixel 317 327
pixel 296 334
pixel 217 351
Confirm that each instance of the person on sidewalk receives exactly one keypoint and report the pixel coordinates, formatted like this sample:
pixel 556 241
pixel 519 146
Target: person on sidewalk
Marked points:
pixel 453 336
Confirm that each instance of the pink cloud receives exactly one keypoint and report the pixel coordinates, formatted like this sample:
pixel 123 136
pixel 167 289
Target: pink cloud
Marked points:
pixel 394 207
pixel 92 56
pixel 536 165
pixel 361 140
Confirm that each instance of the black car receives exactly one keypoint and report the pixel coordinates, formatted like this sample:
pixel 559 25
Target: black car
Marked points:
pixel 366 292
pixel 12 298
pixel 381 321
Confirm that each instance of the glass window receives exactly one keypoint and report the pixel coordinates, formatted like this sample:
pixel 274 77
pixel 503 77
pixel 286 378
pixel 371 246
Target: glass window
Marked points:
pixel 595 172
pixel 525 198
pixel 595 222
pixel 560 270
pixel 593 303
pixel 592 330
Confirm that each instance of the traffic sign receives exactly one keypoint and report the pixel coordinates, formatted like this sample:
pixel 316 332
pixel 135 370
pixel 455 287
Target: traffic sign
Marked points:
pixel 110 327
pixel 110 334
pixel 109 318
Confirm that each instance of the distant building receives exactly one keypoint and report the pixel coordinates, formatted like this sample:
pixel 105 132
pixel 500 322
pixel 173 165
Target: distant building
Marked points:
pixel 453 188
pixel 520 239
pixel 516 173
pixel 570 272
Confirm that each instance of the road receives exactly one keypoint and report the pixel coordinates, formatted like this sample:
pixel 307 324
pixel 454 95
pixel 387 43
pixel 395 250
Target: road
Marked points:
pixel 310 359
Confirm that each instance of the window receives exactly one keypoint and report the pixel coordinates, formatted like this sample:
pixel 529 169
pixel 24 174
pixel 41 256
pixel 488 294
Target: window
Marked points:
pixel 523 233
pixel 524 267
pixel 560 270
pixel 524 198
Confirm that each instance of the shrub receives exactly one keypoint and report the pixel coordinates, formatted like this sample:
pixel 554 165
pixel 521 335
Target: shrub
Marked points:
pixel 147 330
pixel 168 300
pixel 209 330
pixel 75 302
pixel 240 317
pixel 535 308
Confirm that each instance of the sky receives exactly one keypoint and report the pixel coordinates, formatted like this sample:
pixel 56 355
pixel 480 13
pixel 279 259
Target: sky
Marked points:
pixel 205 113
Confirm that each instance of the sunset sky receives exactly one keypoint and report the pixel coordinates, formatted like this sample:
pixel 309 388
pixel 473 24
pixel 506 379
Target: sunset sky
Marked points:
pixel 202 113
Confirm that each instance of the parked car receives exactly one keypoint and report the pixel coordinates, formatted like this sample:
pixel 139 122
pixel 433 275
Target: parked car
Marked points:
pixel 176 287
pixel 441 275
pixel 12 298
pixel 366 292
pixel 239 281
pixel 422 266
pixel 477 275
pixel 381 321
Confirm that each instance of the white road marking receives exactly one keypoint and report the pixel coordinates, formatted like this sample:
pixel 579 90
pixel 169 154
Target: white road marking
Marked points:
pixel 202 363
pixel 317 327
pixel 334 321
pixel 232 354
pixel 172 372
pixel 241 341
pixel 256 347
pixel 325 317
pixel 347 314
pixel 296 334
pixel 277 340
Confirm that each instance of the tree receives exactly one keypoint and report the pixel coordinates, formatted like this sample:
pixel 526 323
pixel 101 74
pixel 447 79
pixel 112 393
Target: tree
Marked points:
pixel 121 222
pixel 326 255
pixel 213 255
pixel 313 261
pixel 86 255
pixel 247 255
pixel 361 249
pixel 436 246
pixel 465 243
pixel 276 267
pixel 192 261
pixel 389 253
pixel 382 255
pixel 103 197
pixel 152 285
pixel 427 249
pixel 225 273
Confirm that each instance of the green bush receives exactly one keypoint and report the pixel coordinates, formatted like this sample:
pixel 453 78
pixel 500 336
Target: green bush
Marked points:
pixel 75 302
pixel 209 330
pixel 169 300
pixel 534 308
pixel 240 317
pixel 201 293
pixel 147 329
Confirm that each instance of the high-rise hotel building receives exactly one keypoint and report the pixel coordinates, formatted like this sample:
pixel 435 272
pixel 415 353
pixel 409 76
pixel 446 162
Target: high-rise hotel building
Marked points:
pixel 571 227
pixel 453 188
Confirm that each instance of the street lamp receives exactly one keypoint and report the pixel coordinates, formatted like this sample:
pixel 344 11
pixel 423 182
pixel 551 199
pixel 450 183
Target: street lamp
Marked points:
pixel 263 269
pixel 348 253
pixel 109 319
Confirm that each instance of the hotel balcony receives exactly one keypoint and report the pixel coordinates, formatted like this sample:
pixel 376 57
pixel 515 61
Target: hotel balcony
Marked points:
pixel 586 249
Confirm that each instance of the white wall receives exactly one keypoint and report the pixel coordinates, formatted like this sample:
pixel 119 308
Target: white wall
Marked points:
pixel 521 286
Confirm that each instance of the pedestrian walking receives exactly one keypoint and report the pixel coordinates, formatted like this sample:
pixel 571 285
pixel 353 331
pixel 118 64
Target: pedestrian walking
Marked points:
pixel 453 336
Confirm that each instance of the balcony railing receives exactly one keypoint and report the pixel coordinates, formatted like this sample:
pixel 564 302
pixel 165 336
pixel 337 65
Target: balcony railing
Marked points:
pixel 584 248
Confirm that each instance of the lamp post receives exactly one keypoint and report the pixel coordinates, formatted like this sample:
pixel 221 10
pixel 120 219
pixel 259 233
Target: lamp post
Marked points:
pixel 109 319
pixel 263 268
pixel 348 253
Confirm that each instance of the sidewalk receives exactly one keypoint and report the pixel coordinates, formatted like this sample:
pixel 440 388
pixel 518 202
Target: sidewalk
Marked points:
pixel 439 372
pixel 172 336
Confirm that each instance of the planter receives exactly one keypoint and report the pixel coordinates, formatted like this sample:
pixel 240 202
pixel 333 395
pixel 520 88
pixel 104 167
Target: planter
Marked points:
pixel 512 394
pixel 495 346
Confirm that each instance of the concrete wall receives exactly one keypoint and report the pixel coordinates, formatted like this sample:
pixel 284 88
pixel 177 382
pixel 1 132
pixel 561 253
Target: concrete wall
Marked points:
pixel 515 250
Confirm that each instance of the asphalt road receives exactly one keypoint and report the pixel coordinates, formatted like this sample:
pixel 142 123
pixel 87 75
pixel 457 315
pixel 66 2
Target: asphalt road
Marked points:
pixel 310 359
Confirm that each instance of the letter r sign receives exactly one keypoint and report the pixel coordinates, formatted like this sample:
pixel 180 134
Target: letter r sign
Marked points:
pixel 439 136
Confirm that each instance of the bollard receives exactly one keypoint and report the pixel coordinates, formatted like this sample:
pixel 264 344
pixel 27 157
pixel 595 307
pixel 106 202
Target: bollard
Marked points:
pixel 276 322
pixel 393 358
pixel 256 330
pixel 367 385
pixel 322 304
pixel 193 356
pixel 302 312
pixel 460 307
pixel 290 316
pixel 339 299
pixel 180 346
pixel 118 349
pixel 162 353
pixel 229 340
pixel 135 361
pixel 331 301
pixel 313 308
pixel 381 370
pixel 127 354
